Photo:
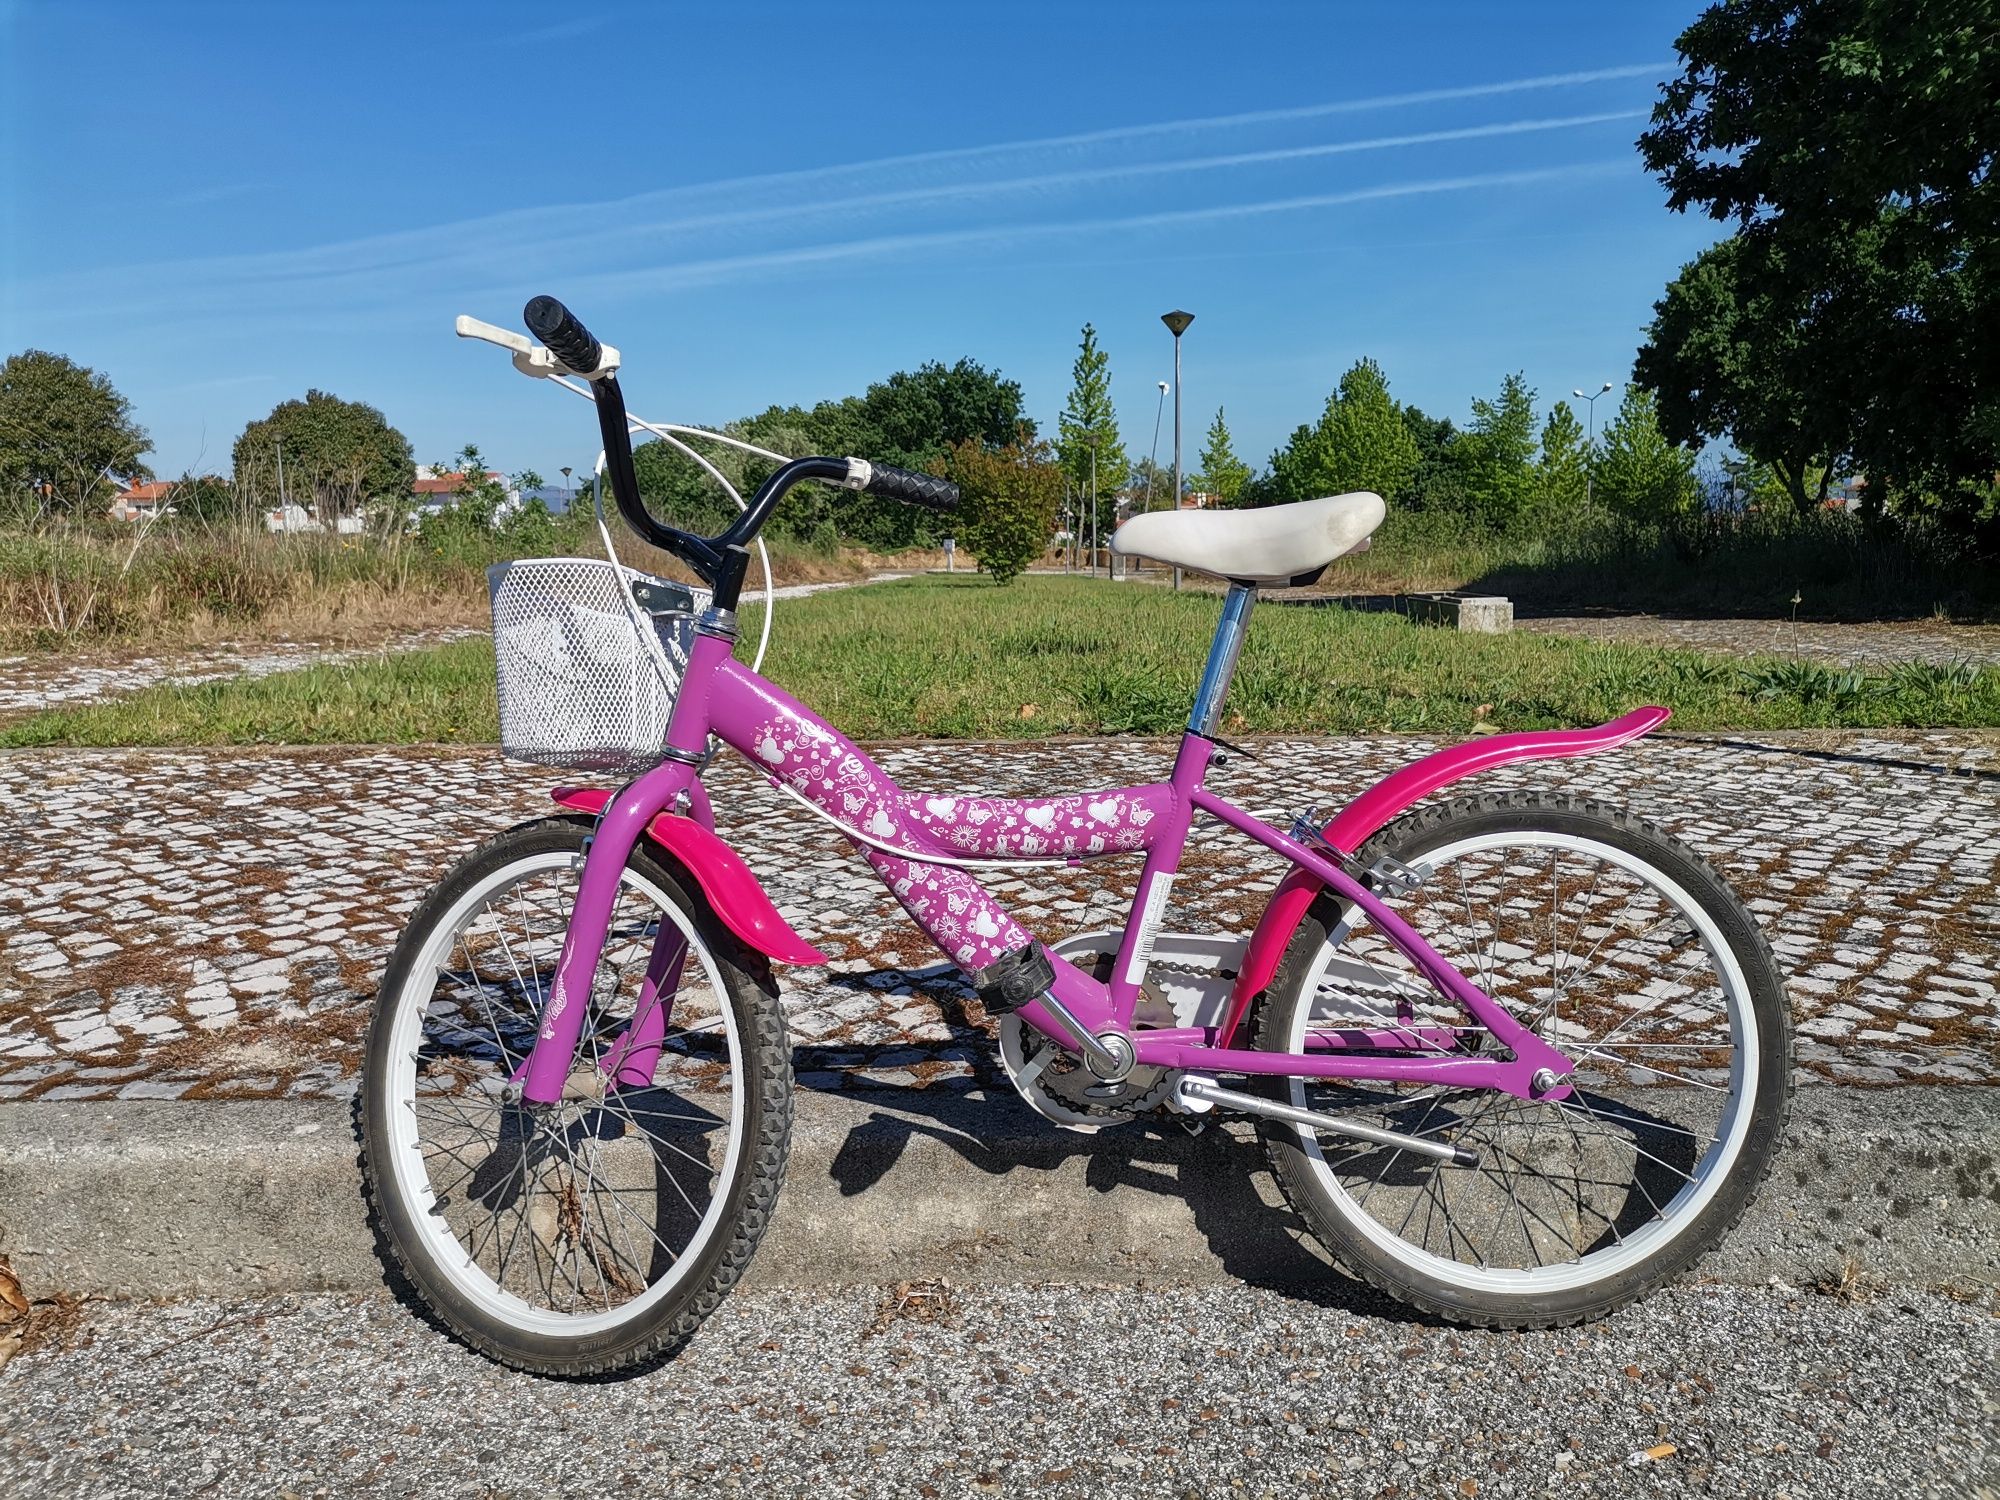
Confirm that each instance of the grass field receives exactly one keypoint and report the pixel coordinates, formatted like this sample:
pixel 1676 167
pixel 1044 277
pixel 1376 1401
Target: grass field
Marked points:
pixel 963 658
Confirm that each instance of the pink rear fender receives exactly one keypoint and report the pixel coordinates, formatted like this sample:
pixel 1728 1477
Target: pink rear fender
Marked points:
pixel 1388 798
pixel 719 870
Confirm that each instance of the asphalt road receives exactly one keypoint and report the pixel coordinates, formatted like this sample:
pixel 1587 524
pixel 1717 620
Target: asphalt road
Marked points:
pixel 1059 1392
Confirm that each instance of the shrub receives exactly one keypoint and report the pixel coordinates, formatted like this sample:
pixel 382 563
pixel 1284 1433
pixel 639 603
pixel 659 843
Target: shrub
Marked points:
pixel 1008 502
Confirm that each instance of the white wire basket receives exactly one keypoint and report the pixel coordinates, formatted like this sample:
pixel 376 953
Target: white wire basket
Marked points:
pixel 580 686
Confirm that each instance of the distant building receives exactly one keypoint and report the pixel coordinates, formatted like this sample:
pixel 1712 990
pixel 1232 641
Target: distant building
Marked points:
pixel 141 502
pixel 436 490
pixel 1198 500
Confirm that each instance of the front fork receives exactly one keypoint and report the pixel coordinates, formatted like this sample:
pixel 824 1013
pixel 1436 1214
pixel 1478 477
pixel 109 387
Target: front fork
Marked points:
pixel 633 1056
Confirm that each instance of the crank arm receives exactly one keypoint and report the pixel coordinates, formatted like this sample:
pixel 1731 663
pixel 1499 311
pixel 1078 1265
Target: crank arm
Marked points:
pixel 1199 1095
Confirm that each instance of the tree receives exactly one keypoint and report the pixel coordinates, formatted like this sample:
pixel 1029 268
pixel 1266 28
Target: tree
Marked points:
pixel 1562 469
pixel 63 429
pixel 1008 499
pixel 338 455
pixel 1496 454
pixel 1437 482
pixel 1090 422
pixel 1640 474
pixel 1359 443
pixel 915 415
pixel 1223 474
pixel 910 420
pixel 1851 144
pixel 1733 354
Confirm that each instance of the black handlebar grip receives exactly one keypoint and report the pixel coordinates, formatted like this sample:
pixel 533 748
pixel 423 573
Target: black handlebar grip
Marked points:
pixel 568 340
pixel 925 490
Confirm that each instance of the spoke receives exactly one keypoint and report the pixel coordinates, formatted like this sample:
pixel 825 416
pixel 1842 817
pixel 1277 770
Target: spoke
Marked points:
pixel 1693 1083
pixel 1485 956
pixel 1630 1145
pixel 520 1222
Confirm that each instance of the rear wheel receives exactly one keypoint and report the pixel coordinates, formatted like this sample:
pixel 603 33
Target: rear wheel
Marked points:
pixel 597 1232
pixel 1616 944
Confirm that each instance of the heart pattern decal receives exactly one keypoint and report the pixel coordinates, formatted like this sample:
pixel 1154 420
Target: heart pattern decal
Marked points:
pixel 829 771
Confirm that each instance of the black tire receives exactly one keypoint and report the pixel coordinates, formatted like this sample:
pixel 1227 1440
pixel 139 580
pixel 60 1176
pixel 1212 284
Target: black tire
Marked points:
pixel 1341 1219
pixel 739 1208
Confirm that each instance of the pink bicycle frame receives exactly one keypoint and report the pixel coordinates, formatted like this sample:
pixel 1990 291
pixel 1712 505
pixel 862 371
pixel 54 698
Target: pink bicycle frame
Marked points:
pixel 920 845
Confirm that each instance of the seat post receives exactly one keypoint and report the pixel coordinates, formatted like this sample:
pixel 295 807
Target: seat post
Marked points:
pixel 1222 654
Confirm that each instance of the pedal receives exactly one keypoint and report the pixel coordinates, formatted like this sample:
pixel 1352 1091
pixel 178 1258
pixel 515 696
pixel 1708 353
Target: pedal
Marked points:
pixel 1014 979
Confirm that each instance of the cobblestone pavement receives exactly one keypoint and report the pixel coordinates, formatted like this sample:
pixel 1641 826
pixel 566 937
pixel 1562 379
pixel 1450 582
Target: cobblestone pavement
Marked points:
pixel 51 679
pixel 214 923
pixel 1875 644
pixel 1068 1393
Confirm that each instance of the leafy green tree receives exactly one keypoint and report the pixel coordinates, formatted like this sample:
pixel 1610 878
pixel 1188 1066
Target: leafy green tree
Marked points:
pixel 1437 483
pixel 1496 454
pixel 1735 354
pixel 1223 474
pixel 1640 474
pixel 1359 443
pixel 909 419
pixel 63 428
pixel 1562 469
pixel 1851 145
pixel 1090 422
pixel 338 456
pixel 915 415
pixel 1009 497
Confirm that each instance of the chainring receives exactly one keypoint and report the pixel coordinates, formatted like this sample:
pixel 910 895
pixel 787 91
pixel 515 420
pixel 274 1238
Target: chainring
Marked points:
pixel 1061 1089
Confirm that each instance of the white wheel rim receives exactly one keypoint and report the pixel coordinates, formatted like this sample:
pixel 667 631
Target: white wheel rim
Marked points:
pixel 1675 1216
pixel 406 1156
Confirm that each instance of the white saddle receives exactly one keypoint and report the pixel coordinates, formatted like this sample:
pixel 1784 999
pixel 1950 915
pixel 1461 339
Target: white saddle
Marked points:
pixel 1272 545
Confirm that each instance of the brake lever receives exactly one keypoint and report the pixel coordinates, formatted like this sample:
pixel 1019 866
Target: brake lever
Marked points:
pixel 530 358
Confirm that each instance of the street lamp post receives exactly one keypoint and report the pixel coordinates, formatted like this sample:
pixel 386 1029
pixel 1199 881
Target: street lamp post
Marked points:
pixel 1177 324
pixel 1590 437
pixel 567 492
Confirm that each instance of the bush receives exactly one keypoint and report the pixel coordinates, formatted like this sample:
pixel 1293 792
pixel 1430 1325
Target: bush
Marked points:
pixel 1008 502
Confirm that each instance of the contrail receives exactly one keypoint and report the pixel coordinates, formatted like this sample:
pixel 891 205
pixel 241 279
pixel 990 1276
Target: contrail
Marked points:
pixel 1088 175
pixel 709 272
pixel 521 229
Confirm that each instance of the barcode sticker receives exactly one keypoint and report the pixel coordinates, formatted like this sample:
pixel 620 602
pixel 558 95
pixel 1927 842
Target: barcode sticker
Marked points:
pixel 1149 927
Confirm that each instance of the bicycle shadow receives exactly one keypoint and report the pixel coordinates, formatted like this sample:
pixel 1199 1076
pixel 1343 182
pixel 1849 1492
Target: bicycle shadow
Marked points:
pixel 1219 1174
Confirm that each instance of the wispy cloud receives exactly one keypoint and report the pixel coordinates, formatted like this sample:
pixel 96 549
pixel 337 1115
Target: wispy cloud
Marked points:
pixel 555 31
pixel 667 227
pixel 216 193
pixel 731 268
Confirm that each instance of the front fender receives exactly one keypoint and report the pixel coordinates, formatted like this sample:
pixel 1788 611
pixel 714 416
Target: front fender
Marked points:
pixel 732 890
pixel 1367 814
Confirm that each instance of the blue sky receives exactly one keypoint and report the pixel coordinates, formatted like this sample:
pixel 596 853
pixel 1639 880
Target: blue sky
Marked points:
pixel 220 205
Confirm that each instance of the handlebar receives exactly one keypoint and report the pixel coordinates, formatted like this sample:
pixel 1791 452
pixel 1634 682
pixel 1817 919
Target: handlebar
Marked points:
pixel 926 491
pixel 568 340
pixel 720 560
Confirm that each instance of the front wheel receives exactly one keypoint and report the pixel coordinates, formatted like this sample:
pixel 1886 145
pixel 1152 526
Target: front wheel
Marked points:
pixel 599 1231
pixel 1615 943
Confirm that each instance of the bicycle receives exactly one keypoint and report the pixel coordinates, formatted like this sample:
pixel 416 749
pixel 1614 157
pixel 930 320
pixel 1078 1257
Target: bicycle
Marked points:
pixel 1515 1059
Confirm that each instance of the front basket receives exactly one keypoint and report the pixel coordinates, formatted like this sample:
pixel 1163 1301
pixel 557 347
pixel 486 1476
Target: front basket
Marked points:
pixel 579 687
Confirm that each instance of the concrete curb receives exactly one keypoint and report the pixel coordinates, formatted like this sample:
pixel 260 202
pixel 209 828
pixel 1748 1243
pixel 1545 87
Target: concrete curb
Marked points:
pixel 157 1199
